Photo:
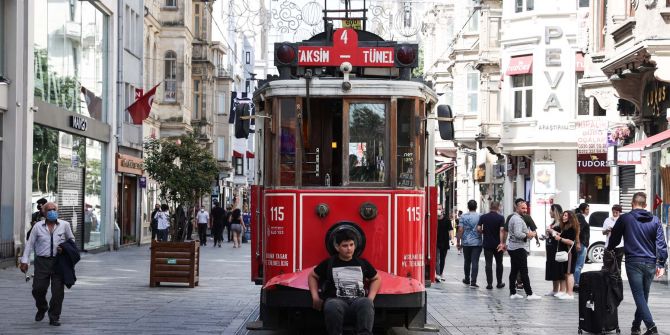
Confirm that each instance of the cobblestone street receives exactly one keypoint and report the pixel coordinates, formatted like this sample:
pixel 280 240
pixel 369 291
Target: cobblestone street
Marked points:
pixel 112 296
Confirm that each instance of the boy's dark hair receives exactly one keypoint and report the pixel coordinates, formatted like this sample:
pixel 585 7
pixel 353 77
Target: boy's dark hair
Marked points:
pixel 344 235
pixel 472 205
pixel 582 207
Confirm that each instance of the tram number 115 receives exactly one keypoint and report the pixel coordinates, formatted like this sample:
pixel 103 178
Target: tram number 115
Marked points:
pixel 277 213
pixel 414 214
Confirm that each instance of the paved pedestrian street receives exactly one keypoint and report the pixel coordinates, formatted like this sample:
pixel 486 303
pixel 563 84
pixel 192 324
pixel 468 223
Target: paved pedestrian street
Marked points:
pixel 112 296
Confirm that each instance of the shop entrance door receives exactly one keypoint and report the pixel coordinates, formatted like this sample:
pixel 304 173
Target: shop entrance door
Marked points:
pixel 127 209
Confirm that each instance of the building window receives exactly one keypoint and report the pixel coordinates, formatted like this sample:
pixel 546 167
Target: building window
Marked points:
pixel 523 5
pixel 221 108
pixel 494 32
pixel 582 100
pixel 594 188
pixel 196 20
pixel 248 57
pixel 584 3
pixel 601 23
pixel 170 76
pixel 597 110
pixel 473 92
pixel 129 99
pixel 239 166
pixel 367 148
pixel 220 148
pixel 522 88
pixel 196 99
pixel 473 25
pixel 171 3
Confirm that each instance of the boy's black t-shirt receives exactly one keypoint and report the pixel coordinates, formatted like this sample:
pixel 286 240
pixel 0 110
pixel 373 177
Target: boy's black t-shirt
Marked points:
pixel 347 280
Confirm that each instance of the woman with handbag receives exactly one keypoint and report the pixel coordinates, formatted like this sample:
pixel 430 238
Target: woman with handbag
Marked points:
pixel 554 271
pixel 566 253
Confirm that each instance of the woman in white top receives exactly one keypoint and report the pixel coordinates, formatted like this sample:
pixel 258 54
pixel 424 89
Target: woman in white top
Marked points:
pixel 163 218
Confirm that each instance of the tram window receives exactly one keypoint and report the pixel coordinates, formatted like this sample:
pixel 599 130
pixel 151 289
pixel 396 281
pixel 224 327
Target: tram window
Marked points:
pixel 287 142
pixel 322 157
pixel 405 156
pixel 367 136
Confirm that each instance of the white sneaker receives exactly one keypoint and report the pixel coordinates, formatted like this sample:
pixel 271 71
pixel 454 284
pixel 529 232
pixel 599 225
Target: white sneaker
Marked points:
pixel 442 279
pixel 516 296
pixel 533 297
pixel 559 294
pixel 438 278
pixel 551 294
pixel 566 296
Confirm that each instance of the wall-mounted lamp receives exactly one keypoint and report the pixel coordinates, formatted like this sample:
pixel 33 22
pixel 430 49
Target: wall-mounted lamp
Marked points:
pixel 333 145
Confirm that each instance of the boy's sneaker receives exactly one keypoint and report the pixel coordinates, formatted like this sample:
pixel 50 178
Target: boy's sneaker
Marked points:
pixel 516 296
pixel 437 277
pixel 652 330
pixel 635 330
pixel 533 297
pixel 442 280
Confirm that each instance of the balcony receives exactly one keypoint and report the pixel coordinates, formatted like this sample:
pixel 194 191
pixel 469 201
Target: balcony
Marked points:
pixel 202 53
pixel 222 72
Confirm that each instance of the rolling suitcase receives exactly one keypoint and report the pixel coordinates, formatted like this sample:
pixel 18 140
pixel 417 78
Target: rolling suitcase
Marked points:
pixel 594 314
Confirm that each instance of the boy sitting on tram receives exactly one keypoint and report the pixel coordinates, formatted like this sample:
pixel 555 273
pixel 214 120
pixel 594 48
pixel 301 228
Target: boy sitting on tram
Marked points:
pixel 341 280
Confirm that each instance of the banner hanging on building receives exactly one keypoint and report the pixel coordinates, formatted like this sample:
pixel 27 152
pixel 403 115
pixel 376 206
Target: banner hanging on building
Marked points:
pixel 544 177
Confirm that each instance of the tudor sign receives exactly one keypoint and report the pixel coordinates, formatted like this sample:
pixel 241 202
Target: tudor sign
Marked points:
pixel 345 49
pixel 592 163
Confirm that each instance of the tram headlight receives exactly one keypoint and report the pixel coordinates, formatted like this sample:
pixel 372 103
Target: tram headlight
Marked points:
pixel 285 54
pixel 406 55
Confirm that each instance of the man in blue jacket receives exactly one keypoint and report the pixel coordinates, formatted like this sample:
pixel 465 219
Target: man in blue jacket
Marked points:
pixel 646 253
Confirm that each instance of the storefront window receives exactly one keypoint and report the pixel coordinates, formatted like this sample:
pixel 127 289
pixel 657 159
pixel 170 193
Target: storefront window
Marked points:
pixel 367 134
pixel 67 170
pixel 594 188
pixel 70 59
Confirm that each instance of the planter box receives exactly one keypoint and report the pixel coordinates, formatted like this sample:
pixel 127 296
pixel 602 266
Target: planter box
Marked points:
pixel 175 262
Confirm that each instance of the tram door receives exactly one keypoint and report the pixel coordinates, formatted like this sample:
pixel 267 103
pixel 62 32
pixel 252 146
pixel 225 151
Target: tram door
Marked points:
pixel 322 133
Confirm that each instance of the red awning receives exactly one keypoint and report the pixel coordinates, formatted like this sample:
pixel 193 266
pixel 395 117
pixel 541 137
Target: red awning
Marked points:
pixel 579 62
pixel 444 168
pixel 237 154
pixel 520 65
pixel 250 154
pixel 647 142
pixel 446 152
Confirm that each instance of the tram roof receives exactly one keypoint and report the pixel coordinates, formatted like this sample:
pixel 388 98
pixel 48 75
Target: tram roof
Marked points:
pixel 332 88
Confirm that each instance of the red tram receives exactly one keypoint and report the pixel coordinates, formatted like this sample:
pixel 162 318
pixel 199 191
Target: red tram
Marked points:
pixel 344 141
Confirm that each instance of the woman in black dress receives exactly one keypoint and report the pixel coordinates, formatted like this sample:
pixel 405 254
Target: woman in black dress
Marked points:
pixel 567 239
pixel 554 270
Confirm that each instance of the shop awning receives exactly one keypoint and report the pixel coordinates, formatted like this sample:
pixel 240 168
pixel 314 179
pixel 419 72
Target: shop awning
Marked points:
pixel 647 142
pixel 579 62
pixel 237 154
pixel 444 167
pixel 250 154
pixel 446 152
pixel 520 65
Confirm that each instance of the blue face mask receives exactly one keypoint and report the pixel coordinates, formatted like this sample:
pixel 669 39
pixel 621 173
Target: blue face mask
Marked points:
pixel 52 215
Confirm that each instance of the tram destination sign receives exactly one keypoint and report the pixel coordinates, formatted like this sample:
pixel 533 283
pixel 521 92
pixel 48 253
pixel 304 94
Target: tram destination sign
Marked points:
pixel 345 49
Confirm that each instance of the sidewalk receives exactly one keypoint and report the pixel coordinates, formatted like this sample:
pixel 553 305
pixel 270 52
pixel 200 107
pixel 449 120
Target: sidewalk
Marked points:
pixel 112 296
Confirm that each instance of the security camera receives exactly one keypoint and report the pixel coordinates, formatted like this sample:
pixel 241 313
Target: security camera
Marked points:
pixel 346 67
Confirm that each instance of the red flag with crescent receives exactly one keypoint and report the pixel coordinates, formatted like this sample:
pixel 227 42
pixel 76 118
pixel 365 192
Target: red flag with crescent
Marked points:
pixel 141 108
pixel 657 201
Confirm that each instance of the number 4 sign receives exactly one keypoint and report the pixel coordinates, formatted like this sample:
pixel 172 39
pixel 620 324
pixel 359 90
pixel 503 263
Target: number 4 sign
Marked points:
pixel 345 49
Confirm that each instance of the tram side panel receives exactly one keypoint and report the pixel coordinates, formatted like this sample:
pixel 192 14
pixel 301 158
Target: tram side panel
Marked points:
pixel 257 234
pixel 431 232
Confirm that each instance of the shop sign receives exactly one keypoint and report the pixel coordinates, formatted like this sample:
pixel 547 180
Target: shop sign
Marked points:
pixel 655 99
pixel 78 122
pixel 511 166
pixel 129 164
pixel 552 58
pixel 69 197
pixel 592 163
pixel 592 136
pixel 143 182
pixel 629 157
pixel 523 166
pixel 345 49
pixel 353 24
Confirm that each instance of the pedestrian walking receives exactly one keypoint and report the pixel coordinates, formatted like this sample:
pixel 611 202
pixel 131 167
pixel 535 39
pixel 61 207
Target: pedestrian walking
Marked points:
pixel 553 270
pixel 646 253
pixel 163 218
pixel 607 230
pixel 491 224
pixel 237 227
pixel 528 220
pixel 218 223
pixel 154 222
pixel 37 216
pixel 567 239
pixel 203 221
pixel 180 223
pixel 470 241
pixel 517 247
pixel 583 246
pixel 227 223
pixel 458 223
pixel 445 232
pixel 45 241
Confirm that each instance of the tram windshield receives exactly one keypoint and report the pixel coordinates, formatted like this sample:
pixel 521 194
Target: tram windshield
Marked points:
pixel 367 137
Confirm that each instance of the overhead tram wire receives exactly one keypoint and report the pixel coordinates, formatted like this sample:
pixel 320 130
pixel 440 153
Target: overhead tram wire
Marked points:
pixel 453 41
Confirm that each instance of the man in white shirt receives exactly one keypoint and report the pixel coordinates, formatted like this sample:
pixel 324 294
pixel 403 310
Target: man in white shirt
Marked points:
pixel 203 222
pixel 44 240
pixel 607 230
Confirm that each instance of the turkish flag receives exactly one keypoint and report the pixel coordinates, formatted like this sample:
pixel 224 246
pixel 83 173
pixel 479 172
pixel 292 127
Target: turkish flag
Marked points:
pixel 140 109
pixel 657 201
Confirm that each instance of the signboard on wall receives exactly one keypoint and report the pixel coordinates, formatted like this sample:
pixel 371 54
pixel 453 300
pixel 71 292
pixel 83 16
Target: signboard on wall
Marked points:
pixel 592 164
pixel 544 177
pixel 592 136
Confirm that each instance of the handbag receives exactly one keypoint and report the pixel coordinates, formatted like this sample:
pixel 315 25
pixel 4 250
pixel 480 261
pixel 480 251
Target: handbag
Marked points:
pixel 562 256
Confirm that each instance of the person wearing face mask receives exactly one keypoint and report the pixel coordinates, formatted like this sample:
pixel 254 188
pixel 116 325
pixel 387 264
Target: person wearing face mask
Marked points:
pixel 203 222
pixel 45 239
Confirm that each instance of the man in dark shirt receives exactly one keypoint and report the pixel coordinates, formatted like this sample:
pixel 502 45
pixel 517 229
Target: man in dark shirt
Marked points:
pixel 492 224
pixel 444 236
pixel 584 235
pixel 219 217
pixel 344 276
pixel 154 222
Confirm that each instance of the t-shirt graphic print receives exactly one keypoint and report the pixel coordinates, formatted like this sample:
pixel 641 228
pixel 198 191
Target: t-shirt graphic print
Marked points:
pixel 348 282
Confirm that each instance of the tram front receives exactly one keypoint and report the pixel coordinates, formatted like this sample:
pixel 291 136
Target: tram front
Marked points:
pixel 343 144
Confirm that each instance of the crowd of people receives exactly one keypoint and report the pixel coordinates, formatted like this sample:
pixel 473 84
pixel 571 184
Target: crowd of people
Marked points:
pixel 638 235
pixel 221 223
